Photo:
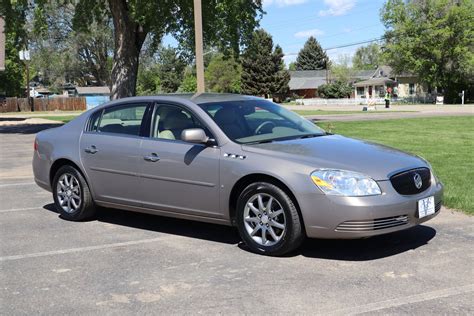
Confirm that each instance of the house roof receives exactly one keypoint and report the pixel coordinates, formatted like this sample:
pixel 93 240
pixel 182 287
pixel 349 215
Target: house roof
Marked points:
pixel 43 90
pixel 93 90
pixel 378 81
pixel 387 71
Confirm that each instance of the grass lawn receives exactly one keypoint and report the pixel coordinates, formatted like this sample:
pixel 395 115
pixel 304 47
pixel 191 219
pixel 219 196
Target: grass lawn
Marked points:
pixel 446 142
pixel 324 112
pixel 64 118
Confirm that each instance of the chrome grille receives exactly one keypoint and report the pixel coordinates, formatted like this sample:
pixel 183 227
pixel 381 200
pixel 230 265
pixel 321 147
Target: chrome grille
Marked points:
pixel 375 224
pixel 404 182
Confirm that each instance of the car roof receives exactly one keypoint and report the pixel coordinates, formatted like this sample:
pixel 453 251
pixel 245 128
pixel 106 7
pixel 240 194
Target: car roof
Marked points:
pixel 197 98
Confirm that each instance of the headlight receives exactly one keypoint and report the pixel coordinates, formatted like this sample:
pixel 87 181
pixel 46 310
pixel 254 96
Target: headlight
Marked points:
pixel 347 183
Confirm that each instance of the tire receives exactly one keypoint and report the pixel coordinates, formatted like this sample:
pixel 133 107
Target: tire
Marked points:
pixel 286 224
pixel 72 196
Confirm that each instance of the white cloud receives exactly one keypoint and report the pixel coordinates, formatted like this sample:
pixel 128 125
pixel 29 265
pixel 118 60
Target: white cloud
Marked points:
pixel 308 33
pixel 283 3
pixel 337 7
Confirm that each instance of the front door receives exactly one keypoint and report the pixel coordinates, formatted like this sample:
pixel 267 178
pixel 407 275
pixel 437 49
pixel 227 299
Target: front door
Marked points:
pixel 177 176
pixel 110 153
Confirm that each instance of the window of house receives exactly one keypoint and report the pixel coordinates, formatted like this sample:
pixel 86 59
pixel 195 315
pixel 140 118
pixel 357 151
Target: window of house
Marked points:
pixel 360 91
pixel 411 88
pixel 380 91
pixel 122 119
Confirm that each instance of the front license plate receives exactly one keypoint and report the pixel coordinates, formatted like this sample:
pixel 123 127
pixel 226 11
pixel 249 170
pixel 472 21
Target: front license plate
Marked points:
pixel 426 207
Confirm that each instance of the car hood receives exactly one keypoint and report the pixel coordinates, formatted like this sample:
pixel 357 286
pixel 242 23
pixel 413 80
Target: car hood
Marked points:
pixel 338 152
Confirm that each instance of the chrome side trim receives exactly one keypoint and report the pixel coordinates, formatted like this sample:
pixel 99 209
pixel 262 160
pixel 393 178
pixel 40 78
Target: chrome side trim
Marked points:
pixel 125 173
pixel 199 183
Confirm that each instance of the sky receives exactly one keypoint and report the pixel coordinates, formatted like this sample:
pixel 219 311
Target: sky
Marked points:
pixel 331 22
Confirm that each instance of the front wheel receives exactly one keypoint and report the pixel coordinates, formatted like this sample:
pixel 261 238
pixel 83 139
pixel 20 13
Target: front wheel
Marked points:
pixel 71 194
pixel 268 220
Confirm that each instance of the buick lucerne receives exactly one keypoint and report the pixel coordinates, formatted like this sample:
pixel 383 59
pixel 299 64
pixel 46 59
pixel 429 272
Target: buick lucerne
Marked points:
pixel 234 160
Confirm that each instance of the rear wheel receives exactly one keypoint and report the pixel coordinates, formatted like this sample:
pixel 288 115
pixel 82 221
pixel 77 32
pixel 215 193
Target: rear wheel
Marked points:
pixel 71 194
pixel 268 220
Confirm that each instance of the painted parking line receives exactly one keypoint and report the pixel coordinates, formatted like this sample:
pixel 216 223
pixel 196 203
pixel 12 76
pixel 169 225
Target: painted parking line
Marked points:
pixel 21 209
pixel 83 249
pixel 412 299
pixel 15 184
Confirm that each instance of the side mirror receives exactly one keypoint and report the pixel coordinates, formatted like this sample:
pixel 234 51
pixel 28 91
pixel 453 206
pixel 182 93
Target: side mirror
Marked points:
pixel 194 135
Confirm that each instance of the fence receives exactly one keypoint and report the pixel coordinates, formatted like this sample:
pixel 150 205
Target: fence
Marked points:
pixel 43 104
pixel 363 101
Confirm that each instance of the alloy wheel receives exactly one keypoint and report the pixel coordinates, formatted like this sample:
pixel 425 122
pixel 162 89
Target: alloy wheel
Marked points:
pixel 264 219
pixel 68 192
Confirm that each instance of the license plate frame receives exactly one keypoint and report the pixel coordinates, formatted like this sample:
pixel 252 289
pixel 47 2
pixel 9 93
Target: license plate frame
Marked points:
pixel 426 207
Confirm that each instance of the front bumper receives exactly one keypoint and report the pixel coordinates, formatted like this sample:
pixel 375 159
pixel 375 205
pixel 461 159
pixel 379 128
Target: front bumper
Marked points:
pixel 340 217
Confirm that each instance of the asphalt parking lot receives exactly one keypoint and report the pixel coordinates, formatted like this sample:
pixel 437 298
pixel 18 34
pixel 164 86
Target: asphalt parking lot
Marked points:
pixel 129 263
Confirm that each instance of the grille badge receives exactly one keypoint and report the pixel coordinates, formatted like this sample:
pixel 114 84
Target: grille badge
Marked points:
pixel 417 180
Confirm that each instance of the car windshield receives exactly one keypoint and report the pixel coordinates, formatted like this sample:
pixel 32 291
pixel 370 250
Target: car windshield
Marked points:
pixel 259 121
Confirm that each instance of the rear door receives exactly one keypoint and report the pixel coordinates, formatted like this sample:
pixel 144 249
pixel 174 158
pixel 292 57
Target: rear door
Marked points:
pixel 110 152
pixel 177 176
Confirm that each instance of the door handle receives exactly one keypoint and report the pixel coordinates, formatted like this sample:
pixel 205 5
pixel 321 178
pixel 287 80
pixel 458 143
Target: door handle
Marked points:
pixel 153 157
pixel 91 150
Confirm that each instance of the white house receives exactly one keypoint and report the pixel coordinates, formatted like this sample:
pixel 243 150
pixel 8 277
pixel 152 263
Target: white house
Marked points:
pixel 405 86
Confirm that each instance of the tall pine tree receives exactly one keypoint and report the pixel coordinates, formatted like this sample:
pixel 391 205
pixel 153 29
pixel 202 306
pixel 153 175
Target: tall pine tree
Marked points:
pixel 311 56
pixel 263 71
pixel 282 76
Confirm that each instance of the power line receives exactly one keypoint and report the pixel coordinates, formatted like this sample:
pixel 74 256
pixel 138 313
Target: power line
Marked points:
pixel 384 37
pixel 346 45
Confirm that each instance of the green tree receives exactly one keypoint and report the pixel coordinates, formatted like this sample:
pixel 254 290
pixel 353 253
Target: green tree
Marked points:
pixel 335 90
pixel 367 57
pixel 170 69
pixel 189 83
pixel 223 75
pixel 58 53
pixel 148 81
pixel 292 66
pixel 341 71
pixel 12 82
pixel 433 39
pixel 311 56
pixel 282 76
pixel 227 24
pixel 263 70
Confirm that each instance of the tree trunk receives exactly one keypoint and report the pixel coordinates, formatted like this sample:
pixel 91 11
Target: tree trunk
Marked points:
pixel 129 37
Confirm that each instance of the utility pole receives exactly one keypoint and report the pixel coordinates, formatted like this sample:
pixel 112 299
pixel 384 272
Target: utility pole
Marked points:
pixel 199 46
pixel 25 57
pixel 326 67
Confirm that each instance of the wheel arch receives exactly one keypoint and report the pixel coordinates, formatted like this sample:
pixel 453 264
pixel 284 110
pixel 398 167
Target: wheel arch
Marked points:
pixel 63 162
pixel 246 180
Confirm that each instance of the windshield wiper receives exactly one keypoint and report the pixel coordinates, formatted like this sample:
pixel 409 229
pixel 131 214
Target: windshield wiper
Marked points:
pixel 260 142
pixel 310 135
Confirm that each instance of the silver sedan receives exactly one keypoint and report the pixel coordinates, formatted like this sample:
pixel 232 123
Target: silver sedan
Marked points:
pixel 233 160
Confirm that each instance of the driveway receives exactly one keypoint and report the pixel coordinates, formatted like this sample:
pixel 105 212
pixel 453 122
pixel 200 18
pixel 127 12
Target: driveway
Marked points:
pixel 130 263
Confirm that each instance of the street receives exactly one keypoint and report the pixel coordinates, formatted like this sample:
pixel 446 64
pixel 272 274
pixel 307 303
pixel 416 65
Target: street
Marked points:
pixel 130 263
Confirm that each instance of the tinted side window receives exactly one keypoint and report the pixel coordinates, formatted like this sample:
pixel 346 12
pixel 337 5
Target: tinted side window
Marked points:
pixel 123 120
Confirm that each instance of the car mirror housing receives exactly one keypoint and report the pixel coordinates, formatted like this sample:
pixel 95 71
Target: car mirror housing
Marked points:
pixel 194 135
